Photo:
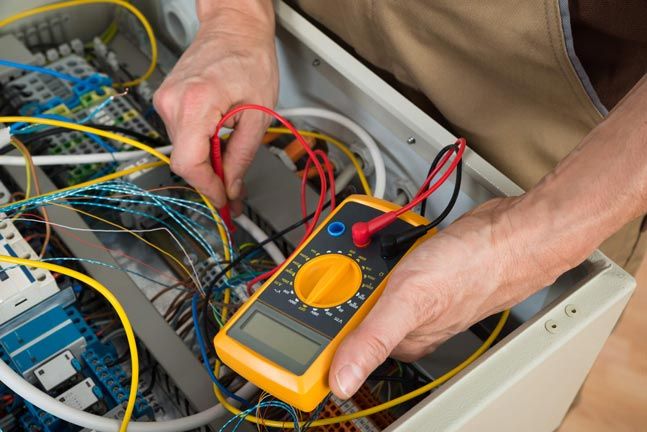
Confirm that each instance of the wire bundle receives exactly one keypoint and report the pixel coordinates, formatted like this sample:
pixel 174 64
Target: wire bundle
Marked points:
pixel 364 231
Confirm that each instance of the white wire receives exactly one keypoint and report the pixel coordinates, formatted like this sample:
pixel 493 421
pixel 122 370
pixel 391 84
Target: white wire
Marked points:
pixel 84 419
pixel 345 177
pixel 369 142
pixel 378 161
pixel 260 236
pixel 81 158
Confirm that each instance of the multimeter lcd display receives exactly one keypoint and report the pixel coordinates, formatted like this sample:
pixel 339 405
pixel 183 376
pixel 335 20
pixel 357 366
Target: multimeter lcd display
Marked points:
pixel 278 337
pixel 289 342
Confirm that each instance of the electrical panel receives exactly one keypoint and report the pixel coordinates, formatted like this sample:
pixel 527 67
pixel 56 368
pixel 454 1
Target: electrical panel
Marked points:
pixel 80 200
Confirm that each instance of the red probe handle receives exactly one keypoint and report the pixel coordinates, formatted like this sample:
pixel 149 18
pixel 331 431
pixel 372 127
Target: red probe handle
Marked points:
pixel 216 163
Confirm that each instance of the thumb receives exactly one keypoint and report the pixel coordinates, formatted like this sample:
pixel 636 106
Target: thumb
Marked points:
pixel 368 346
pixel 241 150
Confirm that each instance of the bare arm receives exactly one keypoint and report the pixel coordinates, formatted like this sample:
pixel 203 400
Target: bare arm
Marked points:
pixel 506 249
pixel 232 61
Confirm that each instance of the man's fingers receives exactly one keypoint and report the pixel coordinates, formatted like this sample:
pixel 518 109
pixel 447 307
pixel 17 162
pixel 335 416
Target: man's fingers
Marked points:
pixel 191 158
pixel 370 344
pixel 200 175
pixel 191 120
pixel 241 150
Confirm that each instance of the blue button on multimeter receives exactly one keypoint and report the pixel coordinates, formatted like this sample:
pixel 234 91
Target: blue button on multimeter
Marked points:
pixel 336 229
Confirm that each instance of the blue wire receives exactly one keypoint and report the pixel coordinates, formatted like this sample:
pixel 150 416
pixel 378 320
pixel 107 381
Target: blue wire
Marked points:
pixel 104 145
pixel 203 352
pixel 42 70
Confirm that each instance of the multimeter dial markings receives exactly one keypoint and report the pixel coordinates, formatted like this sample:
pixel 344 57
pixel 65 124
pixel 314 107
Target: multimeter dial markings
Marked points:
pixel 329 280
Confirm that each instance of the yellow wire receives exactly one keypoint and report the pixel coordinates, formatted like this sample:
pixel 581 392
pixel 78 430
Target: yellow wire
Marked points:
pixel 129 141
pixel 72 3
pixel 225 300
pixel 27 173
pixel 105 292
pixel 110 33
pixel 341 146
pixel 383 406
pixel 134 234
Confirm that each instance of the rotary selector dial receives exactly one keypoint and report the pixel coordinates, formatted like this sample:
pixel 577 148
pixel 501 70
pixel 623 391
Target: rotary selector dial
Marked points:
pixel 328 280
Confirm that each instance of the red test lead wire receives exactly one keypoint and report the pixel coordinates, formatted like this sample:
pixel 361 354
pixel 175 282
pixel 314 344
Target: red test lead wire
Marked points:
pixel 216 164
pixel 216 155
pixel 363 232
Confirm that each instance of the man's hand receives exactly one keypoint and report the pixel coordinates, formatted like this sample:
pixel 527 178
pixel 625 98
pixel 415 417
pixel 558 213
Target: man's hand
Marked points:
pixel 461 275
pixel 232 61
pixel 506 249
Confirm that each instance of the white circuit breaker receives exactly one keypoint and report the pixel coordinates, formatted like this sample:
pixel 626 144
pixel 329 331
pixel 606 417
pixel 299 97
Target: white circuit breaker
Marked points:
pixel 20 287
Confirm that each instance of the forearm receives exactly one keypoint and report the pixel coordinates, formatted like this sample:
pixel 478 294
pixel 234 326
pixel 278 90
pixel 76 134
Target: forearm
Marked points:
pixel 593 192
pixel 260 12
pixel 504 250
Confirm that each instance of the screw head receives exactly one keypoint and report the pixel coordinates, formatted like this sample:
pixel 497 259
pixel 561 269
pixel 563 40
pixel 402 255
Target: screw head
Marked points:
pixel 571 310
pixel 551 326
pixel 316 62
pixel 411 140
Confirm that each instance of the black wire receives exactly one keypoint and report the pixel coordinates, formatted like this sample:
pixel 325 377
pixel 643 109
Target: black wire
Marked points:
pixel 316 413
pixel 375 377
pixel 393 245
pixel 434 164
pixel 452 200
pixel 151 382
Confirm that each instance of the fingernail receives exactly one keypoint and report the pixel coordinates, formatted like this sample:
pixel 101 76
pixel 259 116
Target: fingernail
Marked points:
pixel 349 379
pixel 235 189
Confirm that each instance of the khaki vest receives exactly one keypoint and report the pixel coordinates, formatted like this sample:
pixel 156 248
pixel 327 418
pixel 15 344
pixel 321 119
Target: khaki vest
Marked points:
pixel 502 72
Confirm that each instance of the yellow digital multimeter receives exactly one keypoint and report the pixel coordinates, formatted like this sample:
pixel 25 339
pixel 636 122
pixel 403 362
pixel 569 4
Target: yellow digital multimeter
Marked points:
pixel 284 337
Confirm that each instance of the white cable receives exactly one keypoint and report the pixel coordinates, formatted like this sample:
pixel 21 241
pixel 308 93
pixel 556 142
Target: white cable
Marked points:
pixel 378 161
pixel 344 177
pixel 81 158
pixel 260 236
pixel 369 142
pixel 84 419
pixel 5 137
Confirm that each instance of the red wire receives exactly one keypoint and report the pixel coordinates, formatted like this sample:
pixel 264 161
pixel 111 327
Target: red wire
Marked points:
pixel 304 203
pixel 304 182
pixel 216 154
pixel 331 175
pixel 362 232
pixel 259 278
pixel 433 173
pixel 462 144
